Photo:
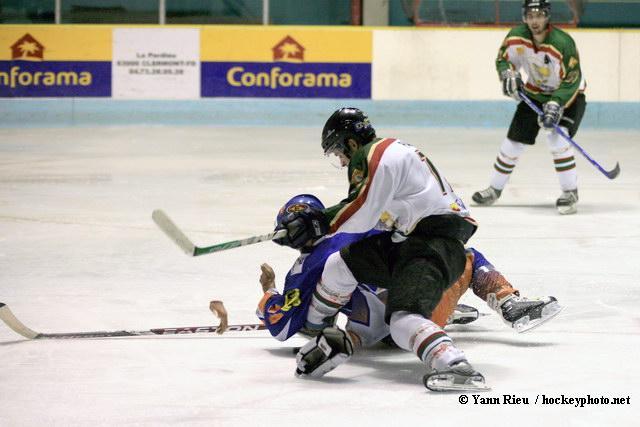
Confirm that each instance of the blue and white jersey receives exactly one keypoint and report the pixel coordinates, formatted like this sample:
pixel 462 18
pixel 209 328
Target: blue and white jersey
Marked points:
pixel 284 314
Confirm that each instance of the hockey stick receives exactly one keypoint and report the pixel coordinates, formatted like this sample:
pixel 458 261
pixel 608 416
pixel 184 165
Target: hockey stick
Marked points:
pixel 612 174
pixel 169 228
pixel 20 328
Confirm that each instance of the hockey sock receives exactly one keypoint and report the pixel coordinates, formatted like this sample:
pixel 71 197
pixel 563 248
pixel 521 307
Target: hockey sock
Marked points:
pixel 451 296
pixel 486 280
pixel 564 161
pixel 506 161
pixel 332 292
pixel 412 332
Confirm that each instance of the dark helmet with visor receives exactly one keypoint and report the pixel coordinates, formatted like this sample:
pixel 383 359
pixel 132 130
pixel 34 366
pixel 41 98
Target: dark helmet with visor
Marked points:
pixel 344 124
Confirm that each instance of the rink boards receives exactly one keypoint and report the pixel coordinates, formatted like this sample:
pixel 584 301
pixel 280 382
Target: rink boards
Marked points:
pixel 193 62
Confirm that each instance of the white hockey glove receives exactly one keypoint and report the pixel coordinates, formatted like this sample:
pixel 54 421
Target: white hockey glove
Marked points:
pixel 322 354
pixel 511 83
pixel 551 115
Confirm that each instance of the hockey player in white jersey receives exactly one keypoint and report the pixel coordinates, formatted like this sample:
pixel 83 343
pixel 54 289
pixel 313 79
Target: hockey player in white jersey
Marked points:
pixel 394 186
pixel 550 59
pixel 303 306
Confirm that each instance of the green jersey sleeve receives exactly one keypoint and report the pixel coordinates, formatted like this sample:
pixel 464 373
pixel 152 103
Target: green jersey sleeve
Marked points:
pixel 357 173
pixel 571 73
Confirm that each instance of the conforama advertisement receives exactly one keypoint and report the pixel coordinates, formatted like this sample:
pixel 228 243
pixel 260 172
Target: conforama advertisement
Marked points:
pixel 55 61
pixel 164 62
pixel 286 62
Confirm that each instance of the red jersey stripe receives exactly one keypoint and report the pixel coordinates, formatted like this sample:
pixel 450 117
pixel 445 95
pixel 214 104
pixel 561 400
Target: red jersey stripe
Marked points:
pixel 373 161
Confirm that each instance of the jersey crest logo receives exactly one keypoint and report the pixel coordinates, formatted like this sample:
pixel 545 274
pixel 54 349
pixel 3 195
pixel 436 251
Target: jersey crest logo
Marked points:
pixel 542 71
pixel 573 62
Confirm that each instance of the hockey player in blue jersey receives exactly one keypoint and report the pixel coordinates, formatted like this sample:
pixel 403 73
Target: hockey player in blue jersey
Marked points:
pixel 304 307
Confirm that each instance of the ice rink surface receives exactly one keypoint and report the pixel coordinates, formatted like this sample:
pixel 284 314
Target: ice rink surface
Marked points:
pixel 79 252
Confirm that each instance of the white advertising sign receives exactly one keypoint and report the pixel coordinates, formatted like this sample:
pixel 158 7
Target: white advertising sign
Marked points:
pixel 156 63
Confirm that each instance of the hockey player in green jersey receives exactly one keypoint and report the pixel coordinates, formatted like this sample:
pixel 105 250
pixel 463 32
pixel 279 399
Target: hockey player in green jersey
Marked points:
pixel 555 83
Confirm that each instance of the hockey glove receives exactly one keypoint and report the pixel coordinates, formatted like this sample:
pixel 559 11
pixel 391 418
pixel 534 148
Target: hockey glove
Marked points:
pixel 511 83
pixel 551 115
pixel 322 354
pixel 302 227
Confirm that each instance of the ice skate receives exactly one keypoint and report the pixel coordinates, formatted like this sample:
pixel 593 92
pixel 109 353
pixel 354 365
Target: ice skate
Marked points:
pixel 523 314
pixel 566 203
pixel 463 314
pixel 460 376
pixel 486 197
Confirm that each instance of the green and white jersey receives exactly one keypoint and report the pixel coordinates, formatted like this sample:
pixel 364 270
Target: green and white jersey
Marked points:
pixel 552 68
pixel 392 186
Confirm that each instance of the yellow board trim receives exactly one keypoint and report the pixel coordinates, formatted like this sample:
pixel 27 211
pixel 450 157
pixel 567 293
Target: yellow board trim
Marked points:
pixel 255 44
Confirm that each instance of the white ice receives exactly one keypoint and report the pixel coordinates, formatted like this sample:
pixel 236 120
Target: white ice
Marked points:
pixel 79 252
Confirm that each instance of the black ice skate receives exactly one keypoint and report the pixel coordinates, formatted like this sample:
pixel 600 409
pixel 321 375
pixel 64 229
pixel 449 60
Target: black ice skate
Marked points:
pixel 460 376
pixel 566 203
pixel 463 314
pixel 523 314
pixel 486 197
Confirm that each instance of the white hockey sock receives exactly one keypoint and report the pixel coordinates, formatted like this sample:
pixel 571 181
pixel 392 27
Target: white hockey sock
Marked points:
pixel 564 160
pixel 332 292
pixel 413 332
pixel 506 161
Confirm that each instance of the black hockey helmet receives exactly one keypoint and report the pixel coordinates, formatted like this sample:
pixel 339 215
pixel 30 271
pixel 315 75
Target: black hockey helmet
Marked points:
pixel 344 124
pixel 543 5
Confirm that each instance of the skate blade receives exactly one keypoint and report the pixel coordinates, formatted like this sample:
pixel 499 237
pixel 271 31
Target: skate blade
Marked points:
pixel 446 382
pixel 549 311
pixel 567 210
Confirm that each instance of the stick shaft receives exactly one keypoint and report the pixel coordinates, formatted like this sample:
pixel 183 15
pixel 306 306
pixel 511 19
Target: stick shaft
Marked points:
pixel 609 174
pixel 20 328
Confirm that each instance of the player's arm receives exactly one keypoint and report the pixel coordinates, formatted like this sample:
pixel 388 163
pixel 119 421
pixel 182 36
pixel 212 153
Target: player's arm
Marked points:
pixel 502 60
pixel 270 307
pixel 571 76
pixel 507 71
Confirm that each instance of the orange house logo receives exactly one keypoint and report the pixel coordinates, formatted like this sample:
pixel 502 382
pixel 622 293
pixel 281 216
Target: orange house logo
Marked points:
pixel 288 50
pixel 27 48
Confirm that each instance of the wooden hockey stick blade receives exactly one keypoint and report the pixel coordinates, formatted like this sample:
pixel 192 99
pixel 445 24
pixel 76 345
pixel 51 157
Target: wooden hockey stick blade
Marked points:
pixel 172 231
pixel 18 327
pixel 613 172
pixel 169 228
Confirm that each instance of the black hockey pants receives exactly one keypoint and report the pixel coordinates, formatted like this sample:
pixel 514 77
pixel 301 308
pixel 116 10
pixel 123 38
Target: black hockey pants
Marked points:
pixel 416 271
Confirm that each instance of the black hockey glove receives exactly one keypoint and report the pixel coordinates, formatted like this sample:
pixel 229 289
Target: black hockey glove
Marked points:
pixel 302 227
pixel 551 115
pixel 511 83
